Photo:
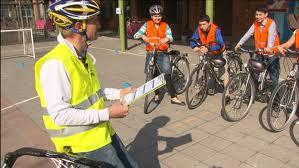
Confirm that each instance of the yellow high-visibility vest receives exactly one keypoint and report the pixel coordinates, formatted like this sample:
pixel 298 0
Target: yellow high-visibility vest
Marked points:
pixel 85 95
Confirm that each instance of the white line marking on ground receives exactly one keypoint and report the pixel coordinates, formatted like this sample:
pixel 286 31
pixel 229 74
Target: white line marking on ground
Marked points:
pixel 107 49
pixel 39 48
pixel 21 102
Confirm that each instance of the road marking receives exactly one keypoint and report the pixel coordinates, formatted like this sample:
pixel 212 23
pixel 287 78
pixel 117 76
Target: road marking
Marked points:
pixel 39 48
pixel 21 102
pixel 107 49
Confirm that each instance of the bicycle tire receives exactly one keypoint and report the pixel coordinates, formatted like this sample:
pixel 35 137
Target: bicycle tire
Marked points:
pixel 271 110
pixel 224 112
pixel 149 103
pixel 238 65
pixel 292 131
pixel 177 75
pixel 194 84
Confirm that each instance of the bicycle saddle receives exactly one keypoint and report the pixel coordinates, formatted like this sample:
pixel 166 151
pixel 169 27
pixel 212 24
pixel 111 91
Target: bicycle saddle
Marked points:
pixel 174 52
pixel 218 62
pixel 257 66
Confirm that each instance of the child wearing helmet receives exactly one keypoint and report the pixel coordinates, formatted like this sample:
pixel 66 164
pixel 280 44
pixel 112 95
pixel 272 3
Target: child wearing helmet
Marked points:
pixel 157 32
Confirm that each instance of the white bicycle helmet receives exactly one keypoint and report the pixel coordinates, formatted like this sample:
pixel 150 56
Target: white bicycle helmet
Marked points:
pixel 156 10
pixel 66 12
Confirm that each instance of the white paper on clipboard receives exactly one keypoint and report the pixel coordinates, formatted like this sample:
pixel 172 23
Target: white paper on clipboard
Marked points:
pixel 145 89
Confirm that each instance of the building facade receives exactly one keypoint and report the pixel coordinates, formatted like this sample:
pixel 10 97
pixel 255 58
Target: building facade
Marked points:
pixel 233 16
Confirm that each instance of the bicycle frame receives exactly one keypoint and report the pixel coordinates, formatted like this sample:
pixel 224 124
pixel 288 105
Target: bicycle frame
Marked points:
pixel 262 76
pixel 208 68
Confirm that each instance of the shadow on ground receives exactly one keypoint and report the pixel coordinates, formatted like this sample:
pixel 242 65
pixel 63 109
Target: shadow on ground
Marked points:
pixel 145 147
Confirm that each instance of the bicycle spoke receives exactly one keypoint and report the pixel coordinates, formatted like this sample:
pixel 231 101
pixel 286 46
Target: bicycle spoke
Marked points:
pixel 282 105
pixel 237 97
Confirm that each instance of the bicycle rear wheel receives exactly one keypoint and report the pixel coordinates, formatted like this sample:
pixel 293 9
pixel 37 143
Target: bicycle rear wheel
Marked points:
pixel 283 104
pixel 294 131
pixel 180 75
pixel 238 97
pixel 197 88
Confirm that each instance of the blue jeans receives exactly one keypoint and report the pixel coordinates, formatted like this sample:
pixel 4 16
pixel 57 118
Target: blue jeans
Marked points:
pixel 114 154
pixel 163 61
pixel 273 67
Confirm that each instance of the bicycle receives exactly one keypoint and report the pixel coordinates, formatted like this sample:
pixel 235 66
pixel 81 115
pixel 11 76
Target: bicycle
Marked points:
pixel 294 127
pixel 60 160
pixel 284 100
pixel 243 88
pixel 180 73
pixel 197 87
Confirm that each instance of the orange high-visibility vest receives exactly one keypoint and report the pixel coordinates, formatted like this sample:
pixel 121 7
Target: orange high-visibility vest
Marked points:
pixel 261 37
pixel 297 42
pixel 211 37
pixel 154 35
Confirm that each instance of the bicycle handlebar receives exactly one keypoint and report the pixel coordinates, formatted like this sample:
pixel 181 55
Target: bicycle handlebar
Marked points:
pixel 208 45
pixel 259 51
pixel 248 51
pixel 10 158
pixel 292 51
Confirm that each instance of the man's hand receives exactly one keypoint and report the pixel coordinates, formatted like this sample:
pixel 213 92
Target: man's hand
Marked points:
pixel 237 47
pixel 196 49
pixel 281 50
pixel 144 38
pixel 118 110
pixel 126 91
pixel 203 49
pixel 269 51
pixel 164 40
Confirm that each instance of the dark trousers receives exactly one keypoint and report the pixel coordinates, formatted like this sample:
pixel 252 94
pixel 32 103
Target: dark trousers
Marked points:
pixel 273 67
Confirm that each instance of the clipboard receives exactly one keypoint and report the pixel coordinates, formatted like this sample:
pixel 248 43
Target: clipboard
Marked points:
pixel 145 89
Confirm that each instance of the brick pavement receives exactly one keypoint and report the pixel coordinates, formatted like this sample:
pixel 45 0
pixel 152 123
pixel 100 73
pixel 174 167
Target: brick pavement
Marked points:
pixel 169 137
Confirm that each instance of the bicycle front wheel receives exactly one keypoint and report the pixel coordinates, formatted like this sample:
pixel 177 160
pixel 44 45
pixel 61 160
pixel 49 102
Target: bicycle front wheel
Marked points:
pixel 282 105
pixel 149 101
pixel 197 88
pixel 234 65
pixel 180 75
pixel 294 131
pixel 238 97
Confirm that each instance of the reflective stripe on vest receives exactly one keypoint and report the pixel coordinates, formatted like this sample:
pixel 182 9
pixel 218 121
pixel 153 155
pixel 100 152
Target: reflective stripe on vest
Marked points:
pixel 68 131
pixel 261 36
pixel 211 37
pixel 73 130
pixel 90 101
pixel 85 104
pixel 85 95
pixel 154 35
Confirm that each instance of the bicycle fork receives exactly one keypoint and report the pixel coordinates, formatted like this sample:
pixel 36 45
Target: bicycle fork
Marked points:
pixel 291 96
pixel 236 104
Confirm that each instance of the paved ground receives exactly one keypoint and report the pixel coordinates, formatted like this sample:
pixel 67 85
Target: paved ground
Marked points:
pixel 169 137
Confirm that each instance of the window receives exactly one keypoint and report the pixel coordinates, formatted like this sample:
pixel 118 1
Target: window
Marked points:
pixel 5 11
pixel 26 11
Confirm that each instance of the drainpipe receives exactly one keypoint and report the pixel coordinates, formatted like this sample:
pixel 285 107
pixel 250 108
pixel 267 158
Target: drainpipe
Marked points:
pixel 210 8
pixel 122 25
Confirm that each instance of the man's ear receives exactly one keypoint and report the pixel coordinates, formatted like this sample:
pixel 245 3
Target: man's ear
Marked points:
pixel 79 26
pixel 267 14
